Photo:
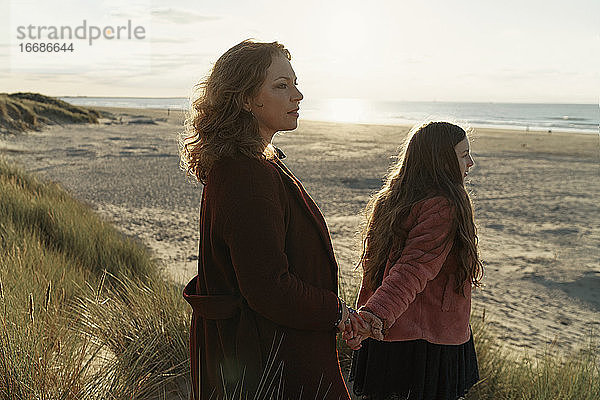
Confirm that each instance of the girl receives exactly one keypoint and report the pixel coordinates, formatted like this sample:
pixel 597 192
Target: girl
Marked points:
pixel 419 262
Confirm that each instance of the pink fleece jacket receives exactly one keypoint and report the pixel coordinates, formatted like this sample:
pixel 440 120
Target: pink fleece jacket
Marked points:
pixel 416 299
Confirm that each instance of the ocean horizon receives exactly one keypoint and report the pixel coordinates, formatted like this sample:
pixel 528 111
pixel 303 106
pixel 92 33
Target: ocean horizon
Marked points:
pixel 549 117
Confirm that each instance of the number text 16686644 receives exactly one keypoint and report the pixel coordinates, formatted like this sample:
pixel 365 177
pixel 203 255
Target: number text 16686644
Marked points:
pixel 45 47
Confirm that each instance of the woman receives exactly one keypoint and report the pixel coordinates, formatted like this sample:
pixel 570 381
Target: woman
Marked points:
pixel 265 304
pixel 419 263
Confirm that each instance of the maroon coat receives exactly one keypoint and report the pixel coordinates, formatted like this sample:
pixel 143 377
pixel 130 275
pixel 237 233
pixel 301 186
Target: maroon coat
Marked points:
pixel 417 299
pixel 264 299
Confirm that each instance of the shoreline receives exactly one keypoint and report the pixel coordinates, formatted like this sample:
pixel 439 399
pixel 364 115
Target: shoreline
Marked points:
pixel 500 127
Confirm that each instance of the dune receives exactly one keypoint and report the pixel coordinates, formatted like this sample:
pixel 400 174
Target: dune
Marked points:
pixel 21 112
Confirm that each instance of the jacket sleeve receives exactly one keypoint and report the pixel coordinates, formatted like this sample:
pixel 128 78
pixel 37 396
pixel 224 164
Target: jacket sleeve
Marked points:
pixel 255 235
pixel 426 248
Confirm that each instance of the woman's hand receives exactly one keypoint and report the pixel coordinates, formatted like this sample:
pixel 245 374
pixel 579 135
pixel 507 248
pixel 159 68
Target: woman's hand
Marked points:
pixel 344 324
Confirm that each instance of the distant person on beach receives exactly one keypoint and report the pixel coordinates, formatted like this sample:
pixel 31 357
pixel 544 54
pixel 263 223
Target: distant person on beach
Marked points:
pixel 265 303
pixel 419 263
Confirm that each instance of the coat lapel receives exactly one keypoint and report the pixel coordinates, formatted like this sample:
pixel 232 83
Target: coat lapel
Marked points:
pixel 312 210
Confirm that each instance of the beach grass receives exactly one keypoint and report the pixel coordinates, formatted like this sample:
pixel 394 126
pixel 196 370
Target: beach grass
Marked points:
pixel 87 315
pixel 550 374
pixel 31 111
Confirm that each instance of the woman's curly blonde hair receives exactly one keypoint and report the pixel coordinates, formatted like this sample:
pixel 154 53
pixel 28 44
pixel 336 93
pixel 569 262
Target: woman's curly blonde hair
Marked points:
pixel 217 124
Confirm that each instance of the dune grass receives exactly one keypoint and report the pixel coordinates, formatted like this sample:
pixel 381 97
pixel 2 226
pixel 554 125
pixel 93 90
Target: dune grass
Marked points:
pixel 549 375
pixel 31 111
pixel 86 315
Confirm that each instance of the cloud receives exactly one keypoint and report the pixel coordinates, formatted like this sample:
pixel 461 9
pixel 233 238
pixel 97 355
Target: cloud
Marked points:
pixel 179 16
pixel 121 14
pixel 512 74
pixel 179 61
pixel 508 73
pixel 168 39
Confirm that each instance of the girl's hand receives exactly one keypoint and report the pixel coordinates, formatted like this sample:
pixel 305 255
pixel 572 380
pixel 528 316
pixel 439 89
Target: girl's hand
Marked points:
pixel 375 322
pixel 354 343
pixel 360 331
pixel 359 326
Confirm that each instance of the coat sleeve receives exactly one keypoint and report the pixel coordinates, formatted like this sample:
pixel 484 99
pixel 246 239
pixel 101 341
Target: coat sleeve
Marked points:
pixel 426 248
pixel 255 235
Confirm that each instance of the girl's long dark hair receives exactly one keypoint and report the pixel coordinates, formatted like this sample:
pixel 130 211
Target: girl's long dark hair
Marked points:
pixel 427 167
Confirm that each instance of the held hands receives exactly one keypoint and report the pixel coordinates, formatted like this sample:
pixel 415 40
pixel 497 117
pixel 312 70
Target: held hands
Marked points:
pixel 360 325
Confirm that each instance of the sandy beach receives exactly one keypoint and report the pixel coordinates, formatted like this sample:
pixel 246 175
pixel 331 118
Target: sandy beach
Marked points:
pixel 535 195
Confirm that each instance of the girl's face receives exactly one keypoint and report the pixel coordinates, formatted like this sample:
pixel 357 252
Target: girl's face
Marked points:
pixel 277 103
pixel 463 153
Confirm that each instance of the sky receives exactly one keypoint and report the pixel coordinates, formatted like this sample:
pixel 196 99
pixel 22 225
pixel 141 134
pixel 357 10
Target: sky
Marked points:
pixel 428 50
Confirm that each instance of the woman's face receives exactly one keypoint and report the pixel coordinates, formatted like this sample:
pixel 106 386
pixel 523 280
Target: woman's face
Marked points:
pixel 463 153
pixel 277 102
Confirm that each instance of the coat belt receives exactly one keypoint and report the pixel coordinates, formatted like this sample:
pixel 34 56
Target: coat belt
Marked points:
pixel 212 307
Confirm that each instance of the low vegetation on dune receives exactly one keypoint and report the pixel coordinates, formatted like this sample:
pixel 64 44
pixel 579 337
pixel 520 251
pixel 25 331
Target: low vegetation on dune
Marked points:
pixel 550 374
pixel 86 314
pixel 21 112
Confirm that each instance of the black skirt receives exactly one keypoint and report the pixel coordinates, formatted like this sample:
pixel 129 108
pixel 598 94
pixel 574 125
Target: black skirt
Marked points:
pixel 413 369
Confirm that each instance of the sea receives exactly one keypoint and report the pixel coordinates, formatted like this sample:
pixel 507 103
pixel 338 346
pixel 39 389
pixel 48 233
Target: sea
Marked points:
pixel 575 118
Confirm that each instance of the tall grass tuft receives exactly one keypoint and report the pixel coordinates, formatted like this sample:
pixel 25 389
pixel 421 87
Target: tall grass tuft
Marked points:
pixel 550 375
pixel 143 328
pixel 34 213
pixel 85 312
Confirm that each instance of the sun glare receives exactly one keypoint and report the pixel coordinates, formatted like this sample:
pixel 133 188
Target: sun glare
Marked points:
pixel 346 110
